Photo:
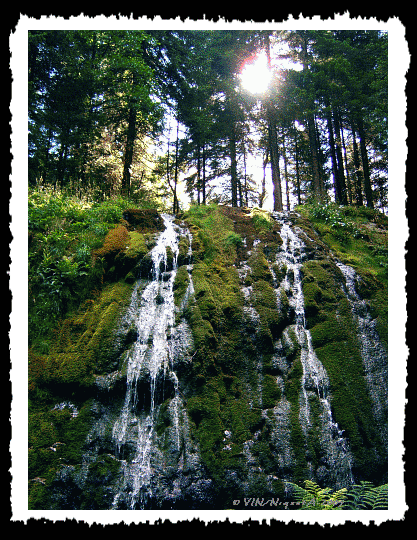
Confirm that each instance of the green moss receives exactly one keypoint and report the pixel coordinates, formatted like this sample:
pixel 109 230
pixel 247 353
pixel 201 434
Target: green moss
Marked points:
pixel 136 246
pixel 181 282
pixel 271 393
pixel 273 313
pixel 261 219
pixel 204 411
pixel 330 330
pixel 335 341
pixel 55 439
pixel 115 241
pixel 259 266
pixel 298 440
pixel 183 251
pixel 213 234
pixel 164 420
pixel 357 236
pixel 83 343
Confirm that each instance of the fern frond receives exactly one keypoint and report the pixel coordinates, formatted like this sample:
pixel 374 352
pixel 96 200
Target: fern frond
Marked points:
pixel 381 502
pixel 313 497
pixel 365 496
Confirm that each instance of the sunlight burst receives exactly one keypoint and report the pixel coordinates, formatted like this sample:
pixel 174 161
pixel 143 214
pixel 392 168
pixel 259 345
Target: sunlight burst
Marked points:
pixel 256 76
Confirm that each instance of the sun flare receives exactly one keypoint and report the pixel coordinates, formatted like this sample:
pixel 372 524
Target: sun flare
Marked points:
pixel 256 76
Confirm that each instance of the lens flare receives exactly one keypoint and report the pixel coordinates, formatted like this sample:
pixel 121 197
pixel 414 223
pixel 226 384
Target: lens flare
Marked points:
pixel 255 76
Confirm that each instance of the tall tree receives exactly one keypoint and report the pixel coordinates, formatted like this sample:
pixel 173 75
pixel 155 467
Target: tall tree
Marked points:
pixel 272 138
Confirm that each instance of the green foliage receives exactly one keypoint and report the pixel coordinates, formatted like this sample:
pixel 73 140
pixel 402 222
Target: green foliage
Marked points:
pixel 261 219
pixel 335 218
pixel 313 497
pixel 362 496
pixel 214 233
pixel 233 239
pixel 358 235
pixel 64 233
pixel 366 496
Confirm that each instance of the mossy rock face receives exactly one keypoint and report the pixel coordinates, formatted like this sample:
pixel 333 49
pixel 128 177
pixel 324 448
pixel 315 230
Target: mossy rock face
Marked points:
pixel 336 343
pixel 240 383
pixel 184 256
pixel 56 438
pixel 259 267
pixel 125 254
pixel 84 343
pixel 271 393
pixel 136 247
pixel 116 241
pixel 181 283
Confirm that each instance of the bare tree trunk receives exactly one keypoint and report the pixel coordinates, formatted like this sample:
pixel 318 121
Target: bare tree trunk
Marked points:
pixel 175 205
pixel 365 165
pixel 348 182
pixel 315 162
pixel 358 170
pixel 340 170
pixel 128 157
pixel 273 143
pixel 233 168
pixel 284 155
pixel 204 173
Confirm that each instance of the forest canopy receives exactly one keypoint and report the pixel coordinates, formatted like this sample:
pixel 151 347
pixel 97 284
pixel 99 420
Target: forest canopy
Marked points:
pixel 134 113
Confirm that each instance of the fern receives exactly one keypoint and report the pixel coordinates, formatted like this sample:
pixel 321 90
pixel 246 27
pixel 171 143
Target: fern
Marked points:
pixel 365 496
pixel 313 497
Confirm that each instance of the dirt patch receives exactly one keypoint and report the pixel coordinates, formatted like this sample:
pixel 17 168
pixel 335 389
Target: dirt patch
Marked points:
pixel 147 220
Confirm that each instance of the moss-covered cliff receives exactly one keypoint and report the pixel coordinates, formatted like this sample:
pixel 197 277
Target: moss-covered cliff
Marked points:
pixel 230 412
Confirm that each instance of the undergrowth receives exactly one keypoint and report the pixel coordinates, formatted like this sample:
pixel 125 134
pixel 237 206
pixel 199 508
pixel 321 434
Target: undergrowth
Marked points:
pixel 357 235
pixel 362 496
pixel 214 234
pixel 63 233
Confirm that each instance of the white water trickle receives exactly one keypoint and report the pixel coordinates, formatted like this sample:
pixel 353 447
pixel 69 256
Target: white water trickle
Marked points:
pixel 293 256
pixel 149 360
pixel 314 378
pixel 373 354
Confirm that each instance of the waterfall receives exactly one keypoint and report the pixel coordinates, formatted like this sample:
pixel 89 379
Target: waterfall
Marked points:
pixel 149 367
pixel 373 354
pixel 314 377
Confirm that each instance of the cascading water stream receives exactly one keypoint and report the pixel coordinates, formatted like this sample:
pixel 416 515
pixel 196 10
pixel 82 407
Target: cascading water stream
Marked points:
pixel 149 361
pixel 373 354
pixel 293 256
pixel 314 376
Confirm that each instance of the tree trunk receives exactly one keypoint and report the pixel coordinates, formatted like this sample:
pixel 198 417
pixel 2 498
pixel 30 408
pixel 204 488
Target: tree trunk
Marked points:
pixel 348 182
pixel 315 162
pixel 129 147
pixel 204 173
pixel 273 143
pixel 262 195
pixel 336 186
pixel 358 170
pixel 276 177
pixel 175 205
pixel 297 167
pixel 246 178
pixel 198 175
pixel 233 168
pixel 284 155
pixel 365 165
pixel 340 170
